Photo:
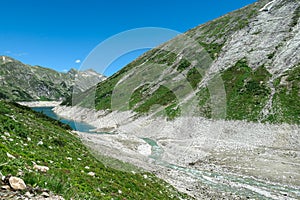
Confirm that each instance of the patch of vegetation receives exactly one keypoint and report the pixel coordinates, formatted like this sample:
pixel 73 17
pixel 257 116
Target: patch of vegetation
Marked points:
pixel 246 91
pixel 213 49
pixel 21 130
pixel 163 57
pixel 137 96
pixel 271 55
pixel 183 65
pixel 162 96
pixel 194 77
pixel 204 103
pixel 286 107
pixel 296 16
pixel 172 111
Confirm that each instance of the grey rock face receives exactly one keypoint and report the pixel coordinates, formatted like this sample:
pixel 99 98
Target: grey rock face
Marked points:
pixel 270 32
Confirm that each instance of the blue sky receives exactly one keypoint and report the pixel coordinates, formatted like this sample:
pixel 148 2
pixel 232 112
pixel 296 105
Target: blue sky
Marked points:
pixel 56 33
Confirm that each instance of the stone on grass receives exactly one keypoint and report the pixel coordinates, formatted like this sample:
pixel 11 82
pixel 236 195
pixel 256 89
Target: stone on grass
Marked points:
pixel 7 134
pixel 40 168
pixel 17 183
pixel 10 156
pixel 91 174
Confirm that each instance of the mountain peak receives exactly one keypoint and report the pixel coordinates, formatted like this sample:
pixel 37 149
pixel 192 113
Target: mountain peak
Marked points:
pixel 6 59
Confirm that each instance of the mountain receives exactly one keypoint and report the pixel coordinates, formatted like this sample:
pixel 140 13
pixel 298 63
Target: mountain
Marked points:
pixel 22 82
pixel 242 66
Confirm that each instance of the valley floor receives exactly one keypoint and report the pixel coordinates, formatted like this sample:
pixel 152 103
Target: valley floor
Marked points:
pixel 204 158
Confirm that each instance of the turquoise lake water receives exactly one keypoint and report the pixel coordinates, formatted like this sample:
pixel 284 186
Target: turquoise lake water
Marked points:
pixel 77 126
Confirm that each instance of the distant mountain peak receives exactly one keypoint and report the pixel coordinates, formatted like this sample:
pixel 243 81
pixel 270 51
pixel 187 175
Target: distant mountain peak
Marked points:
pixel 23 82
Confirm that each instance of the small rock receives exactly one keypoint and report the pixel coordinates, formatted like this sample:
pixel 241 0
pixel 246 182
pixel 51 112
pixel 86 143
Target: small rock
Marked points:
pixel 45 194
pixel 5 187
pixel 87 167
pixel 28 194
pixel 91 174
pixel 17 183
pixel 1 175
pixel 10 156
pixel 69 158
pixel 7 134
pixel 20 173
pixel 41 168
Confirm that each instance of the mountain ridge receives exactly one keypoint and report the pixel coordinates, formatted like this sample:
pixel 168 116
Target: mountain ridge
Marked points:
pixel 22 82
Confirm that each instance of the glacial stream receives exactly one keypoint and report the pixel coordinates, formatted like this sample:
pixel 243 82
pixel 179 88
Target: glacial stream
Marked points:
pixel 246 186
pixel 241 185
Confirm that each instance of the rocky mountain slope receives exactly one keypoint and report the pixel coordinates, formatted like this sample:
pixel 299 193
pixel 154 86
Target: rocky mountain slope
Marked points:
pixel 22 82
pixel 242 66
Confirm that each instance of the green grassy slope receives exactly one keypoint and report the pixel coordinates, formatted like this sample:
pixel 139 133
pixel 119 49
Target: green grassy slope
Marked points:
pixel 21 129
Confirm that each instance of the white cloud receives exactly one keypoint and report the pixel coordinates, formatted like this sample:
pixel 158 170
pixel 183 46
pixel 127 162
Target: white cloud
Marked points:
pixel 77 61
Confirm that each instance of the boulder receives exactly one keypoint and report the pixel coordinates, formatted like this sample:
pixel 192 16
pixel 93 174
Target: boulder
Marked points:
pixel 17 183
